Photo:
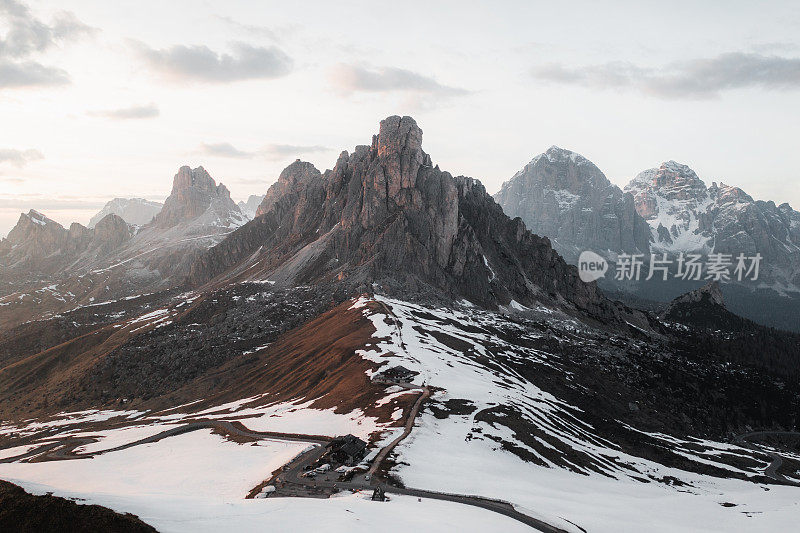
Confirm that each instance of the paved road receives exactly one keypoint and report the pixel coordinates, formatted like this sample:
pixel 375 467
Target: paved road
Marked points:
pixel 777 461
pixel 65 448
pixel 292 475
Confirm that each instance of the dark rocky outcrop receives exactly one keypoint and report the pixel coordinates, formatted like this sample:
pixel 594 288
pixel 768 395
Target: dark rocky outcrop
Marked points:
pixel 564 196
pixel 710 293
pixel 22 512
pixel 385 214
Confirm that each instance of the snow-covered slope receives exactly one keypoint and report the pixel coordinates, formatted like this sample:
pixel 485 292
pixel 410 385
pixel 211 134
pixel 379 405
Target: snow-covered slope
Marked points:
pixel 686 216
pixel 493 432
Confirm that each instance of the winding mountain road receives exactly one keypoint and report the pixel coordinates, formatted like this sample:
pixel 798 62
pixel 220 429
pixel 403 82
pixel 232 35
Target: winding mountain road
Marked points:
pixel 777 461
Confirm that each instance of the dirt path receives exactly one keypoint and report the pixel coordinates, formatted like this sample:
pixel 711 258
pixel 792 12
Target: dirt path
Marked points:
pixel 384 453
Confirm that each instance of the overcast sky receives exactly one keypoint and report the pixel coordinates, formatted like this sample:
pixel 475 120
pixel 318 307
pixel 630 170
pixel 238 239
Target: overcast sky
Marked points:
pixel 108 99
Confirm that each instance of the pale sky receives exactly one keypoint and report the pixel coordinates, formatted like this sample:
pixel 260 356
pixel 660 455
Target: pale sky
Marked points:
pixel 106 99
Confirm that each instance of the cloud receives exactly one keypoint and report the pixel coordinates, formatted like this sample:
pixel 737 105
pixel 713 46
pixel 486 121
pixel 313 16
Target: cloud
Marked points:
pixel 270 151
pixel 282 151
pixel 19 158
pixel 135 111
pixel 200 63
pixel 349 79
pixel 253 29
pixel 30 74
pixel 690 79
pixel 26 35
pixel 224 150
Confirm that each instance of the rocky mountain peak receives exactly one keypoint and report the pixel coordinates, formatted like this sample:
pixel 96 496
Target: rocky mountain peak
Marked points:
pixel 197 178
pixel 194 191
pixel 31 224
pixel 294 178
pixel 564 196
pixel 672 179
pixel 385 216
pixel 671 198
pixel 111 231
pixel 250 207
pixel 729 194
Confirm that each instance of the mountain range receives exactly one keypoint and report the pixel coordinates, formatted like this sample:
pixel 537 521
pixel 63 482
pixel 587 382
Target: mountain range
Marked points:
pixel 390 303
pixel 664 210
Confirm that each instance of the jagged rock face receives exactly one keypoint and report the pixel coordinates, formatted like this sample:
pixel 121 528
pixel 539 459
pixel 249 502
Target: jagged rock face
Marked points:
pixel 39 243
pixel 134 211
pixel 110 233
pixel 195 194
pixel 562 195
pixel 250 207
pixel 40 246
pixel 686 216
pixel 385 214
pixel 675 203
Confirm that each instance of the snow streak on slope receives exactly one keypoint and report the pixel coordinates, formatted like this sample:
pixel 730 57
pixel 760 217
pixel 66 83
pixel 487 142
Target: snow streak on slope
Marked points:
pixel 491 431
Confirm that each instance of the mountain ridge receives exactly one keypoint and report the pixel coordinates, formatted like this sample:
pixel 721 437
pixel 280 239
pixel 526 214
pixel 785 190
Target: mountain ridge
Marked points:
pixel 385 214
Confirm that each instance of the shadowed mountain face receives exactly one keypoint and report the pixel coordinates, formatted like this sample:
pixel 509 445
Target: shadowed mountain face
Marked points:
pixel 385 214
pixel 564 196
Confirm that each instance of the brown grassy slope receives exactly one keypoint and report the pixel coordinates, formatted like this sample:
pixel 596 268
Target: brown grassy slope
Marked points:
pixel 316 361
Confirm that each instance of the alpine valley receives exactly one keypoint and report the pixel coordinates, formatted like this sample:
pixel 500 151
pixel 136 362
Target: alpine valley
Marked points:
pixel 386 329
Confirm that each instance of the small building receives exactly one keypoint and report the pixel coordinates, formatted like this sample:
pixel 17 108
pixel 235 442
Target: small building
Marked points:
pixel 396 374
pixel 347 450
